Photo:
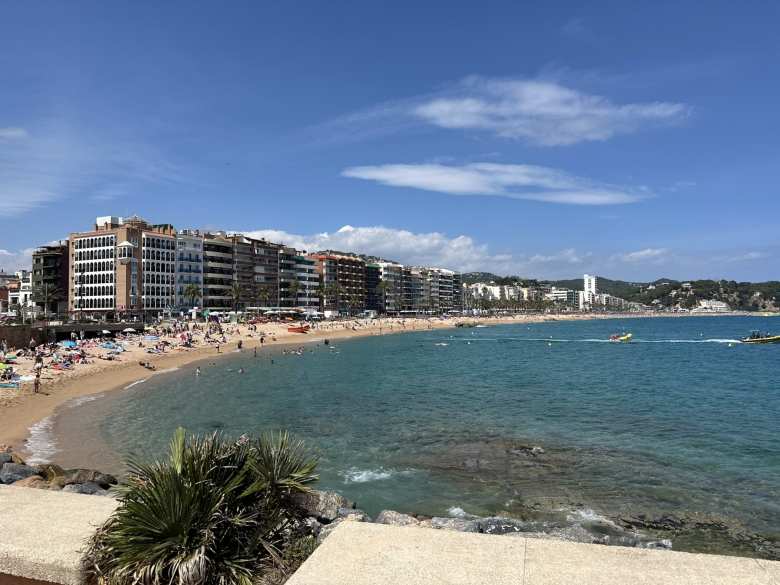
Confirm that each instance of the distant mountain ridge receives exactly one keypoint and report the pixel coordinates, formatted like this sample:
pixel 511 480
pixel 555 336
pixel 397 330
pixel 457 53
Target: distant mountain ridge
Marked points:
pixel 666 292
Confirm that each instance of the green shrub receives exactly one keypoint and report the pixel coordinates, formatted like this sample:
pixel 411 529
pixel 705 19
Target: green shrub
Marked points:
pixel 217 511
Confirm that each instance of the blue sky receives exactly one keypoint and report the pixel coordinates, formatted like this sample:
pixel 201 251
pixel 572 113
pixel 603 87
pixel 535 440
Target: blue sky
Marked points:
pixel 633 140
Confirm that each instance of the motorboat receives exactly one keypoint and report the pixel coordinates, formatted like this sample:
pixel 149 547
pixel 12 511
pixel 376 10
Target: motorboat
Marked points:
pixel 298 329
pixel 625 338
pixel 759 337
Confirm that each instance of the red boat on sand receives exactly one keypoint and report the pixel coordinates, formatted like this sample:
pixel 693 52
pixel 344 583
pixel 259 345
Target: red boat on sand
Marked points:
pixel 298 329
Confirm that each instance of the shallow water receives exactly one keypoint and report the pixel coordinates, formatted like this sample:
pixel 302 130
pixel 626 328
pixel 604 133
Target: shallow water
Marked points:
pixel 683 420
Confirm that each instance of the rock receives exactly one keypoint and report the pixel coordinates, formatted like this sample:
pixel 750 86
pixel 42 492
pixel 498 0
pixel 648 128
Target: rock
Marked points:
pixel 327 529
pixel 313 526
pixel 394 518
pixel 13 472
pixel 104 480
pixel 52 470
pixel 34 481
pixel 665 544
pixel 498 525
pixel 354 515
pixel 5 458
pixel 89 488
pixel 323 506
pixel 15 458
pixel 457 524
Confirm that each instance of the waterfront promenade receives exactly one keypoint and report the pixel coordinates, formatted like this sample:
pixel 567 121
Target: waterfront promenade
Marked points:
pixel 45 532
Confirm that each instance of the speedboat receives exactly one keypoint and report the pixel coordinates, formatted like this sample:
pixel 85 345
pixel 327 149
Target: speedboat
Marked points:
pixel 758 337
pixel 625 338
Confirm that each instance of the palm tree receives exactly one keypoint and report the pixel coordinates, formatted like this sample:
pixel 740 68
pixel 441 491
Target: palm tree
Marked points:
pixel 216 511
pixel 263 295
pixel 235 294
pixel 192 293
pixel 45 294
pixel 293 288
pixel 381 290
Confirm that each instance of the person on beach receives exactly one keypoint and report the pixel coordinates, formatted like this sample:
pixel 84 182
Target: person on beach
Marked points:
pixel 218 348
pixel 197 371
pixel 37 384
pixel 240 344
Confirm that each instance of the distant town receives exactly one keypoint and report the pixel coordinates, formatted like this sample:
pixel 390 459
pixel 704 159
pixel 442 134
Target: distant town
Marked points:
pixel 130 268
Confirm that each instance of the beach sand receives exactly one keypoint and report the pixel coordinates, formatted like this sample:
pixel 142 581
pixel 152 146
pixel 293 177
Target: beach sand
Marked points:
pixel 22 408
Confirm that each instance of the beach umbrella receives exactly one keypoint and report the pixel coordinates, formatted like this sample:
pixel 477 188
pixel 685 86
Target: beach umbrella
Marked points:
pixel 128 330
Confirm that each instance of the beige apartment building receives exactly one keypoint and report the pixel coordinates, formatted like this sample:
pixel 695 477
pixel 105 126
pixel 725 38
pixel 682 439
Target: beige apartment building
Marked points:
pixel 123 267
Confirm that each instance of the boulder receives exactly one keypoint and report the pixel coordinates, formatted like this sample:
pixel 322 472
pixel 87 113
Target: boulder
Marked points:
pixel 323 506
pixel 354 515
pixel 394 518
pixel 457 524
pixel 16 458
pixel 34 481
pixel 52 470
pixel 499 525
pixel 5 458
pixel 104 480
pixel 327 529
pixel 89 488
pixel 13 472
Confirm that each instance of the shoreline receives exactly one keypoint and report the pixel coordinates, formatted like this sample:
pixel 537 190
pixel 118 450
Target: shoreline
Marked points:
pixel 21 412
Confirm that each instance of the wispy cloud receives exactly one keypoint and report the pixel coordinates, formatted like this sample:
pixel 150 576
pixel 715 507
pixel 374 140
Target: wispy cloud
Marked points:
pixel 535 183
pixel 12 133
pixel 60 162
pixel 539 111
pixel 746 257
pixel 654 255
pixel 542 112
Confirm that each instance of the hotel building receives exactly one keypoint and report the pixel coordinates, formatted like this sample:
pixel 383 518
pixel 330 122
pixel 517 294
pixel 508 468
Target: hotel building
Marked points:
pixel 343 278
pixel 189 269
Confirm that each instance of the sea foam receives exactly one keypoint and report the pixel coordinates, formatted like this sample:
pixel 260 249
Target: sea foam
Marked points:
pixel 41 442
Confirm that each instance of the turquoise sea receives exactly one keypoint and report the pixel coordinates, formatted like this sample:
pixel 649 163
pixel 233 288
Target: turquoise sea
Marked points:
pixel 684 421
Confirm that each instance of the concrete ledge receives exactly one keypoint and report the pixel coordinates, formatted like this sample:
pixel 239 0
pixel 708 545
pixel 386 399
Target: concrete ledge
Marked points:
pixel 358 553
pixel 42 533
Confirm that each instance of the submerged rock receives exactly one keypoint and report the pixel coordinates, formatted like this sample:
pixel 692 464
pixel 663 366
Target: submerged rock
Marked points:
pixel 13 472
pixel 499 525
pixel 323 506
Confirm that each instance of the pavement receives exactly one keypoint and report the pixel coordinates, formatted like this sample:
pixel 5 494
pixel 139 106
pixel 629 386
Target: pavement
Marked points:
pixel 42 533
pixel 358 553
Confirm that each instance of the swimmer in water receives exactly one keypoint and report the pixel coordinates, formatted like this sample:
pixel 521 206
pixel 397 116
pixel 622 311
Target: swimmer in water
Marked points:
pixel 197 371
pixel 240 370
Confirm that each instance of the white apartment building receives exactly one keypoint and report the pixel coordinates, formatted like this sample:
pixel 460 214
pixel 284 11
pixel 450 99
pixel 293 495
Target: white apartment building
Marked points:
pixel 709 306
pixel 189 268
pixel 23 295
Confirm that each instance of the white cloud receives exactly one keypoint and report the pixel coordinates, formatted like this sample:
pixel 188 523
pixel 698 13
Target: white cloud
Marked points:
pixel 654 255
pixel 529 182
pixel 431 249
pixel 13 261
pixel 541 112
pixel 746 257
pixel 12 133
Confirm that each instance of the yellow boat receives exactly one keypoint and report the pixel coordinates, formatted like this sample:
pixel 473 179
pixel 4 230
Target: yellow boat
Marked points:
pixel 758 337
pixel 625 338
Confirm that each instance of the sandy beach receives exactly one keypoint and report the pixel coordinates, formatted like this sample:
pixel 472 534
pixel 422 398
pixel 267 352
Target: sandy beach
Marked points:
pixel 21 408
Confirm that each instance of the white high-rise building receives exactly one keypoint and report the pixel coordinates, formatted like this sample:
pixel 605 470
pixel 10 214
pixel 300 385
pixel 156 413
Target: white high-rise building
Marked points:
pixel 590 291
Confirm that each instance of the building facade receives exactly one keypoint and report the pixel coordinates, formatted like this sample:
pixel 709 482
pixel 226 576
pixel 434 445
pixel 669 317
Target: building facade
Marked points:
pixel 50 278
pixel 343 280
pixel 189 269
pixel 218 272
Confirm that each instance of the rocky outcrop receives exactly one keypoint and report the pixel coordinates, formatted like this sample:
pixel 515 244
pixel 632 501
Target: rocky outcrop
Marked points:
pixel 324 506
pixel 394 518
pixel 14 471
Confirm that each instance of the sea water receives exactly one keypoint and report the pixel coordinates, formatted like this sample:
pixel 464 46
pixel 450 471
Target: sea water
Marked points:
pixel 684 420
